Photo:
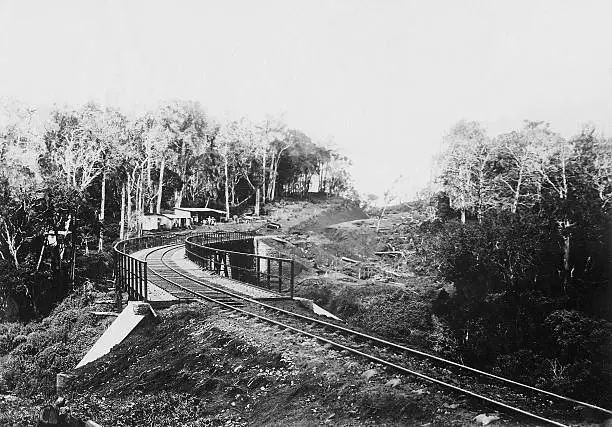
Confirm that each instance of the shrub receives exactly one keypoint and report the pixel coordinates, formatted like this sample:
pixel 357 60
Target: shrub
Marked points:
pixel 524 366
pixel 442 339
pixel 579 349
pixel 95 266
pixel 394 315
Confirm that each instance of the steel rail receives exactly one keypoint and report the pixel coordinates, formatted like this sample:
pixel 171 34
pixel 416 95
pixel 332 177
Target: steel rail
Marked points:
pixel 401 347
pixel 340 345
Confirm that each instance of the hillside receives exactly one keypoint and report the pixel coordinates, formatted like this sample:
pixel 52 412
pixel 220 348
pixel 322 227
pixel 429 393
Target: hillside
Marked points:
pixel 200 367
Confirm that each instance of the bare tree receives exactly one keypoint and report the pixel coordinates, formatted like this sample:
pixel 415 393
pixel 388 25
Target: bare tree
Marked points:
pixel 389 196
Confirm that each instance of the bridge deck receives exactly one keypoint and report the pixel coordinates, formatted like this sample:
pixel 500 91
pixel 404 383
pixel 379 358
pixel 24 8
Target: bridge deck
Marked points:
pixel 167 293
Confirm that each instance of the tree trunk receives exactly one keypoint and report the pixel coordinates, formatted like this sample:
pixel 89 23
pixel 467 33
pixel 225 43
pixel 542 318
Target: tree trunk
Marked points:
pixel 321 177
pixel 517 193
pixel 178 194
pixel 257 203
pixel 274 178
pixel 263 185
pixel 102 207
pixel 566 264
pixel 128 205
pixel 140 204
pixel 122 220
pixel 178 198
pixel 481 180
pixel 462 215
pixel 161 184
pixel 73 240
pixel 227 211
pixel 183 172
pixel 566 235
pixel 269 195
pixel 42 251
pixel 380 217
pixel 149 183
pixel 178 202
pixel 566 254
pixel 10 242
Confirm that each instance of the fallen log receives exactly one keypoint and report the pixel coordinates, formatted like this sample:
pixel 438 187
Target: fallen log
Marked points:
pixel 104 313
pixel 390 253
pixel 350 260
pixel 393 273
pixel 279 240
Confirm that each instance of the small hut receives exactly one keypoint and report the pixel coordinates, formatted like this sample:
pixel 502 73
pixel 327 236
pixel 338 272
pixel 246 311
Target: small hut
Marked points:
pixel 152 221
pixel 199 215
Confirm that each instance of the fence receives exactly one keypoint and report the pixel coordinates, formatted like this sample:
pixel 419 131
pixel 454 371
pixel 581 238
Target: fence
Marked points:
pixel 131 272
pixel 214 252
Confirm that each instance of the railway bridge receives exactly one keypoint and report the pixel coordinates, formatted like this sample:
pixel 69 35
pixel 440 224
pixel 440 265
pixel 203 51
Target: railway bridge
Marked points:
pixel 166 268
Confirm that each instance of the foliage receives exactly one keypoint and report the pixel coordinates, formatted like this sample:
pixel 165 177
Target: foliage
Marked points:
pixel 33 354
pixel 90 173
pixel 530 261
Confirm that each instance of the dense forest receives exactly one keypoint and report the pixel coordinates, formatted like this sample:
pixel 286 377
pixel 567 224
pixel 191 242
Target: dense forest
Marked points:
pixel 524 231
pixel 75 179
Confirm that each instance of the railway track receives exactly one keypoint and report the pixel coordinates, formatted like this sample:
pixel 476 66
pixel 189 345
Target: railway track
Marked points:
pixel 512 397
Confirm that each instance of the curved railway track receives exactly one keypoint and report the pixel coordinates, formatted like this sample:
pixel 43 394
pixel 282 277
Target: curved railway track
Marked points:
pixel 510 396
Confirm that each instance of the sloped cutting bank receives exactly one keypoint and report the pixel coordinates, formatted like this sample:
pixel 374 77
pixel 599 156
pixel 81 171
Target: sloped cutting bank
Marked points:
pixel 201 368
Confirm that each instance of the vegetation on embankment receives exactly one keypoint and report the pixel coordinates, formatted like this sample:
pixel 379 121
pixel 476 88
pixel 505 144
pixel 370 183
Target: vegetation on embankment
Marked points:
pixel 198 367
pixel 32 354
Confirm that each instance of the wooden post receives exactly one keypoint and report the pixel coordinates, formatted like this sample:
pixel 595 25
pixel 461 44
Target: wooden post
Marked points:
pixel 126 266
pixel 257 268
pixel 118 296
pixel 123 274
pixel 140 283
pixel 134 279
pixel 268 262
pixel 146 284
pixel 280 275
pixel 129 278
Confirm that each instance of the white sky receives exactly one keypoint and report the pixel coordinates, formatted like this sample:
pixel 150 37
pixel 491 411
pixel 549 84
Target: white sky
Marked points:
pixel 386 79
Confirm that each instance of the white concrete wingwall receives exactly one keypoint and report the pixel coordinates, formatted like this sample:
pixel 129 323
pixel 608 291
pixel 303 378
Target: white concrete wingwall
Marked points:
pixel 309 304
pixel 131 316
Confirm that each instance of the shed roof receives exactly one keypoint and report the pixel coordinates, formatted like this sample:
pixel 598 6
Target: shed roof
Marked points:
pixel 201 210
pixel 172 216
